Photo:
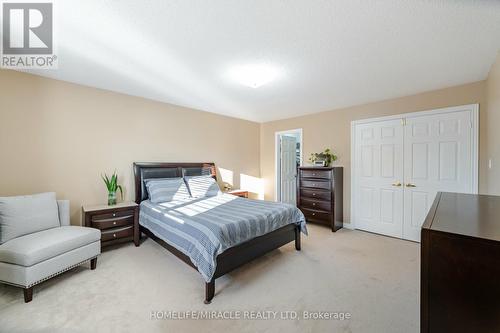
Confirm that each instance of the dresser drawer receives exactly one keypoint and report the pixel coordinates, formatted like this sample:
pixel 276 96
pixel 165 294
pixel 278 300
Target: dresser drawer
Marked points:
pixel 317 216
pixel 315 194
pixel 320 174
pixel 316 204
pixel 117 233
pixel 321 184
pixel 104 217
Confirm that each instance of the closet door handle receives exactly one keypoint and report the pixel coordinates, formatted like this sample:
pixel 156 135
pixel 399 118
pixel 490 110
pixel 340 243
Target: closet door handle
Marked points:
pixel 397 184
pixel 410 185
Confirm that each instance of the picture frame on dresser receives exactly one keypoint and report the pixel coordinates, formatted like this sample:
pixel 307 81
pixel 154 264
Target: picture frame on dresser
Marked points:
pixel 320 195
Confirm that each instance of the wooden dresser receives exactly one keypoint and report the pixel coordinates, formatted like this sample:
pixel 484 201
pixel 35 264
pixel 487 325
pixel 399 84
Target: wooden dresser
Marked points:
pixel 460 264
pixel 319 195
pixel 118 223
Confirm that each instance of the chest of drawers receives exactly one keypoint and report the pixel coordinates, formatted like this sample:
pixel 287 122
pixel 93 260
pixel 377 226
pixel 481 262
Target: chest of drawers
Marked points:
pixel 460 264
pixel 319 195
pixel 117 223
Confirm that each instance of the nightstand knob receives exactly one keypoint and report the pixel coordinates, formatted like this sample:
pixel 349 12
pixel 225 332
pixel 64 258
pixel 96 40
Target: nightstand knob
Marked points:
pixel 114 235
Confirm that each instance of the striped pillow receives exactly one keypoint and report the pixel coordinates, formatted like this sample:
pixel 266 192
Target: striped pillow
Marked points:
pixel 166 189
pixel 202 186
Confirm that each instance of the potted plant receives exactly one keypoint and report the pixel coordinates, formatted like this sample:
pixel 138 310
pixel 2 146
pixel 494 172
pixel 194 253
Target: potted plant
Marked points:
pixel 325 158
pixel 112 186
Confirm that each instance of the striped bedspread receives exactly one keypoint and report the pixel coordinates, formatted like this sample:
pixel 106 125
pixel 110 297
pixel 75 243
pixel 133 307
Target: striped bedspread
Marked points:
pixel 204 228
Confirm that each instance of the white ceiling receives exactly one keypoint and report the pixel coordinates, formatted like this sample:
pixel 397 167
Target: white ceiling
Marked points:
pixel 330 54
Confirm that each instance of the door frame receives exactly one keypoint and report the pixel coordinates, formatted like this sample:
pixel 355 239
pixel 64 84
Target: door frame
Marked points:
pixel 474 108
pixel 277 157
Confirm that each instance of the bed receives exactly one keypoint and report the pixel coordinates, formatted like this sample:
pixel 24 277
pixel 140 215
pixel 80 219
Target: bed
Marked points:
pixel 213 234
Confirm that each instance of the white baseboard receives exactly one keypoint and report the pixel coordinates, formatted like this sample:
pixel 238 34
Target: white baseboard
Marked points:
pixel 349 226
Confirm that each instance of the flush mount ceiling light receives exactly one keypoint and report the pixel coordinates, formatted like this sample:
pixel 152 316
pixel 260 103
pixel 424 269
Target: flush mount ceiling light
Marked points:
pixel 254 75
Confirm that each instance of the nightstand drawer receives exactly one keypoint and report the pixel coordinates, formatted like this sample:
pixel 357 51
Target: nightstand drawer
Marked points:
pixel 117 233
pixel 112 215
pixel 113 222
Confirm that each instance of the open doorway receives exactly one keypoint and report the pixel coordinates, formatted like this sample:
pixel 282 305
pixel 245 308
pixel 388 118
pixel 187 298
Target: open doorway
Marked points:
pixel 288 156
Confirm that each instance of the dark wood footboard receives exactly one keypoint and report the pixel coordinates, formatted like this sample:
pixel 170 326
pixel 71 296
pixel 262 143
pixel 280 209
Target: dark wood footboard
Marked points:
pixel 239 255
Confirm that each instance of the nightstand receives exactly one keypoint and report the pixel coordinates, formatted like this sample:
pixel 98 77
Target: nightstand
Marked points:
pixel 118 223
pixel 239 193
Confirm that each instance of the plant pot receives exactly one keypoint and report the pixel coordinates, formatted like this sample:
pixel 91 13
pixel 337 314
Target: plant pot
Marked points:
pixel 111 198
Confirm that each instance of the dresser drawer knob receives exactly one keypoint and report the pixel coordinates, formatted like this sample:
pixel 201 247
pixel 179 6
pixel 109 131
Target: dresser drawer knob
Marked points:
pixel 314 204
pixel 114 235
pixel 314 194
pixel 314 174
pixel 114 214
pixel 314 184
pixel 114 223
pixel 314 214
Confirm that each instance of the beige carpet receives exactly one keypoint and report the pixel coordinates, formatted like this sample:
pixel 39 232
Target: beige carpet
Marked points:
pixel 374 278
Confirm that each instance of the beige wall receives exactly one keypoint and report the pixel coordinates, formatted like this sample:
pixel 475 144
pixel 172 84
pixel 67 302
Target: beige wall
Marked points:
pixel 492 135
pixel 58 136
pixel 332 130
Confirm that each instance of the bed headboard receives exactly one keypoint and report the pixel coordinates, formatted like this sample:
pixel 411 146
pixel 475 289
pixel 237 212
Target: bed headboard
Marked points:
pixel 148 170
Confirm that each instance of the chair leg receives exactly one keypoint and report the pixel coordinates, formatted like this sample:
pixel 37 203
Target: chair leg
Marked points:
pixel 209 291
pixel 28 294
pixel 93 263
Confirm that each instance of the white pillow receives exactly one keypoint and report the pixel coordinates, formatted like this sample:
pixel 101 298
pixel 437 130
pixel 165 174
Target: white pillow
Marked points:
pixel 202 186
pixel 166 189
pixel 27 214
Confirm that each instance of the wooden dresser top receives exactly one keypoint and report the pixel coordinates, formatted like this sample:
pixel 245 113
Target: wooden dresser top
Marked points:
pixel 470 215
